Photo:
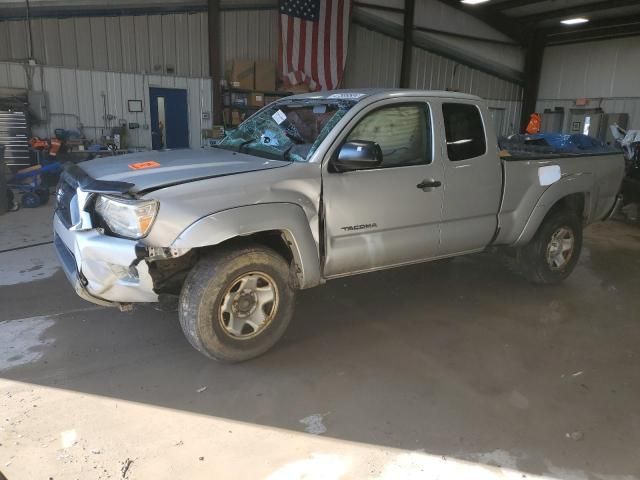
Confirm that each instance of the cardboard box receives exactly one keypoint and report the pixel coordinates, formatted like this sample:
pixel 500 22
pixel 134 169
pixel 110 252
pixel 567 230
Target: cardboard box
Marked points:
pixel 256 99
pixel 226 116
pixel 271 98
pixel 242 74
pixel 265 76
pixel 300 88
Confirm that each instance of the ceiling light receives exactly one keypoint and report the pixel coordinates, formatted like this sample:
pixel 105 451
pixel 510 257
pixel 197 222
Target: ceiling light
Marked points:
pixel 575 21
pixel 473 2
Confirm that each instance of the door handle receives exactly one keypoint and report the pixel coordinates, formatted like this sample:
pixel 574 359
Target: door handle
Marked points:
pixel 427 184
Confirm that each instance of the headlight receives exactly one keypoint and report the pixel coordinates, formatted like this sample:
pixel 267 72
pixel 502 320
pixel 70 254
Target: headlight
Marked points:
pixel 129 218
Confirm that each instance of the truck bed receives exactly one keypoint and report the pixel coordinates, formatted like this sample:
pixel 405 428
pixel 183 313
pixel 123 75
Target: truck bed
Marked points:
pixel 526 194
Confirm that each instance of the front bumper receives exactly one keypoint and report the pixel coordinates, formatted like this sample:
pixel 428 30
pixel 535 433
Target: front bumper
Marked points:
pixel 102 269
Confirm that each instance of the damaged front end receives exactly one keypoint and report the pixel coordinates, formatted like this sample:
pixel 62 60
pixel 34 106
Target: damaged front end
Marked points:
pixel 105 267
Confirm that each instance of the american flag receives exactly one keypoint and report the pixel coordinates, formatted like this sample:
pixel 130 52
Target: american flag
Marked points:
pixel 313 42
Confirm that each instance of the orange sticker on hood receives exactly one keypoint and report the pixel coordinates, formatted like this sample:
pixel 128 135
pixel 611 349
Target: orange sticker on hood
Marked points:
pixel 141 165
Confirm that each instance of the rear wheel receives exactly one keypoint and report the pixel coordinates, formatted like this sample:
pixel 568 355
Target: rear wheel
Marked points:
pixel 553 252
pixel 236 303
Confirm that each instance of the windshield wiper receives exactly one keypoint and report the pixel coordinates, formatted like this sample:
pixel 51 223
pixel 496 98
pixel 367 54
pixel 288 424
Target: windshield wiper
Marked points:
pixel 285 154
pixel 246 142
pixel 296 137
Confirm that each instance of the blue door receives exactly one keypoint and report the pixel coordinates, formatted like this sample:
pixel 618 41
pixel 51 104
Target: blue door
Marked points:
pixel 169 118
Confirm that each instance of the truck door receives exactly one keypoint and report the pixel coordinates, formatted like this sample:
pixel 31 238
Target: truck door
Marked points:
pixel 390 215
pixel 472 178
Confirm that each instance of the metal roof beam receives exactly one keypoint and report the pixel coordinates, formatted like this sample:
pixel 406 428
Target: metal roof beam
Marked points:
pixel 597 30
pixel 505 25
pixel 577 10
pixel 582 37
pixel 512 4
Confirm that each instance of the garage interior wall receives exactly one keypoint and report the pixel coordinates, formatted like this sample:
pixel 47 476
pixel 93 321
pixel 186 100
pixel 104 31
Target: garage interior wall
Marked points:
pixel 80 98
pixel 172 44
pixel 119 57
pixel 374 61
pixel 605 72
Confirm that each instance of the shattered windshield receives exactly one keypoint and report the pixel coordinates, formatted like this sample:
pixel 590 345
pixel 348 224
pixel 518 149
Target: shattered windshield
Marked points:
pixel 287 130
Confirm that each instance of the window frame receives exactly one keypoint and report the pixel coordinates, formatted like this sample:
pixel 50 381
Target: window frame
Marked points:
pixel 444 128
pixel 429 117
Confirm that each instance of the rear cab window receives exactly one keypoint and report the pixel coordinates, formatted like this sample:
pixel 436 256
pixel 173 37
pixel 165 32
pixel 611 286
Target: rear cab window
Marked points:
pixel 464 131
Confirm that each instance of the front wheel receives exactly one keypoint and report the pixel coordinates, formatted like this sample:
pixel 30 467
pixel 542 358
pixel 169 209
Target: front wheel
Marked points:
pixel 236 303
pixel 553 252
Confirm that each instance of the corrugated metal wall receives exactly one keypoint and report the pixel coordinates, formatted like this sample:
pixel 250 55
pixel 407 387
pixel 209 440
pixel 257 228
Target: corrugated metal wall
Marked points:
pixel 605 72
pixel 170 44
pixel 81 97
pixel 608 105
pixel 177 44
pixel 433 72
pixel 249 34
pixel 604 69
pixel 374 61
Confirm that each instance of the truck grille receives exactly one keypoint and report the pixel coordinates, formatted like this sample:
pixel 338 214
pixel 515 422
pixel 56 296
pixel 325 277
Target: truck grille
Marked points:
pixel 64 194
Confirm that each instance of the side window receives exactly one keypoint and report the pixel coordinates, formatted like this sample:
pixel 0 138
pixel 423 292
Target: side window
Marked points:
pixel 464 130
pixel 403 133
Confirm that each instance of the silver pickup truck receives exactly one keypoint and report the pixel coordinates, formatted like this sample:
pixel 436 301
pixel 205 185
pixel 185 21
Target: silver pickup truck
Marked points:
pixel 316 187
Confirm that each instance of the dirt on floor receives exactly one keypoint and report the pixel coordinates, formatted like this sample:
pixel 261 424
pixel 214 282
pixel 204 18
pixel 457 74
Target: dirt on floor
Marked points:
pixel 454 370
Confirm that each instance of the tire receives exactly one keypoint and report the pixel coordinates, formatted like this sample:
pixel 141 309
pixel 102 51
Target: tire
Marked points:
pixel 6 199
pixel 223 290
pixel 30 200
pixel 43 195
pixel 11 199
pixel 544 260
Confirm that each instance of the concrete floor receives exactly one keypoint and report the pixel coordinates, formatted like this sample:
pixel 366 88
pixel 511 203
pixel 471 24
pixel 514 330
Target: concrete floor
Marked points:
pixel 459 370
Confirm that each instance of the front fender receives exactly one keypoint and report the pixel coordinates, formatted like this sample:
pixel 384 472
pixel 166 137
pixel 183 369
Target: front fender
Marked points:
pixel 241 221
pixel 570 184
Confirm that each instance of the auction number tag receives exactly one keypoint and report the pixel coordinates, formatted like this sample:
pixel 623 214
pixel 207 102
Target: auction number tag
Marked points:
pixel 279 117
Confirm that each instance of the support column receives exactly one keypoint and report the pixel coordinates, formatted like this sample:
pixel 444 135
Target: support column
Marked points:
pixel 532 71
pixel 407 43
pixel 215 62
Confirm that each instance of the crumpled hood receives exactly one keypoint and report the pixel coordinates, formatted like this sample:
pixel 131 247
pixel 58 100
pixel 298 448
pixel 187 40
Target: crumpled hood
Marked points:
pixel 172 167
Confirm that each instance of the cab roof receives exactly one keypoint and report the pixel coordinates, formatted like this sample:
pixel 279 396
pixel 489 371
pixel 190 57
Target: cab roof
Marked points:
pixel 359 94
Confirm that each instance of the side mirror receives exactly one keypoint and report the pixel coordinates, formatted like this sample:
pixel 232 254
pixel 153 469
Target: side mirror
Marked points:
pixel 358 155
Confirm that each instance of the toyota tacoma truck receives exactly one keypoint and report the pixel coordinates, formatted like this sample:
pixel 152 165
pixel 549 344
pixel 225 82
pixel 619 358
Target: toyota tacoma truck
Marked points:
pixel 316 187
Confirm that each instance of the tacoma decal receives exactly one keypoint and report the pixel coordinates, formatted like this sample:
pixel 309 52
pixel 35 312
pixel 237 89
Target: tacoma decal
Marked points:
pixel 364 226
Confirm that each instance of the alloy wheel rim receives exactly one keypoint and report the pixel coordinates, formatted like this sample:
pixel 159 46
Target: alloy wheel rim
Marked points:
pixel 560 248
pixel 248 305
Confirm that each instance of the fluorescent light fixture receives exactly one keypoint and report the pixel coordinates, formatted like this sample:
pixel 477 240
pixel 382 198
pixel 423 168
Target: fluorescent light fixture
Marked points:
pixel 574 21
pixel 473 2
